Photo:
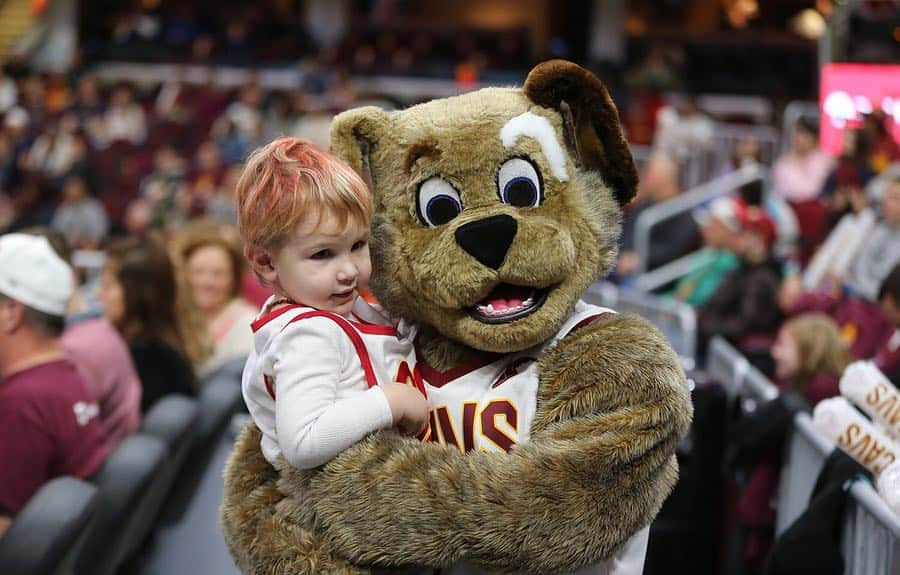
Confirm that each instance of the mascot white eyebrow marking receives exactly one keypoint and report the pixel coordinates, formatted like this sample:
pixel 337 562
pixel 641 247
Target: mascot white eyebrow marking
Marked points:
pixel 539 128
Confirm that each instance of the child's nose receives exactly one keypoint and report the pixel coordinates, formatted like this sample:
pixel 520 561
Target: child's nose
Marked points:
pixel 348 271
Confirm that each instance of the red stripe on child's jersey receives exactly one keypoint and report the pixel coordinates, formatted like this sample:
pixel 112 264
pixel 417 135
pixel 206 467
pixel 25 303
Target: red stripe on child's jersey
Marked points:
pixel 269 388
pixel 259 323
pixel 354 336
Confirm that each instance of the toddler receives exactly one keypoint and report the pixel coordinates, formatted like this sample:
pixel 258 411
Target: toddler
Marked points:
pixel 327 368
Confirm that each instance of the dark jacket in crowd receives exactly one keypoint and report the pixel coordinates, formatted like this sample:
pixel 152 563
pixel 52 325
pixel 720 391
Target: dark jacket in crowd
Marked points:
pixel 162 369
pixel 745 305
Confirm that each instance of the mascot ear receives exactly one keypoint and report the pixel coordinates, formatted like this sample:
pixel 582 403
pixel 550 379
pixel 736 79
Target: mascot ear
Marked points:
pixel 355 133
pixel 591 120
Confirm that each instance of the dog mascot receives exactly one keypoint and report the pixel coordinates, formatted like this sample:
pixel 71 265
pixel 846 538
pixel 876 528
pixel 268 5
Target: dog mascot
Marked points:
pixel 554 423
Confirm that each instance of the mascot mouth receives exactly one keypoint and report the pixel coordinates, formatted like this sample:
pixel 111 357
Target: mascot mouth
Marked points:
pixel 507 303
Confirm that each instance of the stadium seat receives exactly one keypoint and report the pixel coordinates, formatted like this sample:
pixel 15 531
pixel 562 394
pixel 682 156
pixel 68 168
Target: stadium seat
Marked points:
pixel 173 419
pixel 219 399
pixel 125 513
pixel 42 539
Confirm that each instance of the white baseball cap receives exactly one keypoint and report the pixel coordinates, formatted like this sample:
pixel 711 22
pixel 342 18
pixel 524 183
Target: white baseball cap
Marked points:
pixel 32 273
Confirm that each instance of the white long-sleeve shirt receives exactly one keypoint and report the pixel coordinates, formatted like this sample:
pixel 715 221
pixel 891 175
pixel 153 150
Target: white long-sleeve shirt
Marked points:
pixel 311 381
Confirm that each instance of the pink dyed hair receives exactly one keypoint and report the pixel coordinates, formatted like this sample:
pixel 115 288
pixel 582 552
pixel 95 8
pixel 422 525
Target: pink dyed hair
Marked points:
pixel 291 179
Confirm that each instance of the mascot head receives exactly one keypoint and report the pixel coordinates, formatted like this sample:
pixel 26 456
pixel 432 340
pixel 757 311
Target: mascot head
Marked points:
pixel 496 209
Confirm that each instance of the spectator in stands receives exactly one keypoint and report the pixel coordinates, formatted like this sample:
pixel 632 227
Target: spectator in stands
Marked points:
pixel 140 296
pixel 884 150
pixel 672 238
pixel 245 114
pixel 48 419
pixel 844 189
pixel 233 144
pixel 887 357
pixel 124 120
pixel 810 355
pixel 719 228
pixel 214 265
pixel 81 218
pixel 55 151
pixel 100 354
pixel 163 187
pixel 206 176
pixel 221 207
pixel 9 92
pixel 880 251
pixel 742 309
pixel 799 177
pixel 88 107
pixel 683 129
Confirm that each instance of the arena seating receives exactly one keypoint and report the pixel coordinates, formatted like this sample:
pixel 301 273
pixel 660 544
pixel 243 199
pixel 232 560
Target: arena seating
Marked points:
pixel 125 514
pixel 45 534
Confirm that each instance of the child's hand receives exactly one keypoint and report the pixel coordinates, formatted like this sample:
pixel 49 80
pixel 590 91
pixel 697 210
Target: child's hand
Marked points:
pixel 408 406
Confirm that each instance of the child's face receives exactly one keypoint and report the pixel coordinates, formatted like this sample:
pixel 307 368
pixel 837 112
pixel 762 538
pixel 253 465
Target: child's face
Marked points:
pixel 786 355
pixel 324 266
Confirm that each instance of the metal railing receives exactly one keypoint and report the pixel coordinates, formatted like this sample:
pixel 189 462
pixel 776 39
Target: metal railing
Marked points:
pixel 654 215
pixel 870 533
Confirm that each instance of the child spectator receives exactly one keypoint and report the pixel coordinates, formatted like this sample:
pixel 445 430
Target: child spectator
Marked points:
pixel 321 375
pixel 810 355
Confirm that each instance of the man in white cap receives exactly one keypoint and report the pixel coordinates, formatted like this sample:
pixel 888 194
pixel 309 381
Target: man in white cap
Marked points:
pixel 48 419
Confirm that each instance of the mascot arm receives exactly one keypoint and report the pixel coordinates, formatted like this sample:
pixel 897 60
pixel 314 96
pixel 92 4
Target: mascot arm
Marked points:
pixel 613 405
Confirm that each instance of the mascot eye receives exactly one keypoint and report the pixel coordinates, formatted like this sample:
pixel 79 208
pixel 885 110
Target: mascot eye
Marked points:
pixel 519 184
pixel 438 202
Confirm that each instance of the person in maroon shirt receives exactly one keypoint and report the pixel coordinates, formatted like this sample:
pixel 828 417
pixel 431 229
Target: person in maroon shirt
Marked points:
pixel 49 422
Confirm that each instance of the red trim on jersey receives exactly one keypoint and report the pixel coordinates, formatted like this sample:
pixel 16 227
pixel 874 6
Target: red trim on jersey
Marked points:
pixel 358 343
pixel 436 378
pixel 259 323
pixel 587 321
pixel 374 328
pixel 269 388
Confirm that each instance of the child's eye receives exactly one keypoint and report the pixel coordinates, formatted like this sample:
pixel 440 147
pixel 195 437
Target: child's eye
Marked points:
pixel 359 245
pixel 321 255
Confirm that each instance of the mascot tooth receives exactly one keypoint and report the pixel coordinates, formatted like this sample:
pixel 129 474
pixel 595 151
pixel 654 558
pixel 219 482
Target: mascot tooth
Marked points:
pixel 554 423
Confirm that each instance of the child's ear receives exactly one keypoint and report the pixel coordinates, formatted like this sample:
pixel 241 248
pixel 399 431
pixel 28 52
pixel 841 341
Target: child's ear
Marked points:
pixel 261 263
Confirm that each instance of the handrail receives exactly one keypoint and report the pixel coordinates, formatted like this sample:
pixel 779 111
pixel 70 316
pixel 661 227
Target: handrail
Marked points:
pixel 867 498
pixel 655 214
pixel 667 273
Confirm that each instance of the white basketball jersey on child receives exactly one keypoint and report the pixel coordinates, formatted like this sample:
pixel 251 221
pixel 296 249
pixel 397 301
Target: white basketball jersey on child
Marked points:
pixel 364 349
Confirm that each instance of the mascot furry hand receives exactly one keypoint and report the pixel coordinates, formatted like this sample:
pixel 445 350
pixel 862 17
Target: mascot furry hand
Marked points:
pixel 494 211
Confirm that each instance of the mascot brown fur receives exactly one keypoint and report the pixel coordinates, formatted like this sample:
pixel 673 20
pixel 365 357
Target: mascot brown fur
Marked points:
pixel 612 402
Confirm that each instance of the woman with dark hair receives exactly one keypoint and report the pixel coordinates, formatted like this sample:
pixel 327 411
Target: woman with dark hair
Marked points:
pixel 141 297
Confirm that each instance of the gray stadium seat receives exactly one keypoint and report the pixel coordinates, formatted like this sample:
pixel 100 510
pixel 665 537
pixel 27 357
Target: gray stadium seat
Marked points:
pixel 125 513
pixel 42 539
pixel 219 399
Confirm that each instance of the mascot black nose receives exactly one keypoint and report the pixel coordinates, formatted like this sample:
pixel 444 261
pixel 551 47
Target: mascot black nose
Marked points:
pixel 489 239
